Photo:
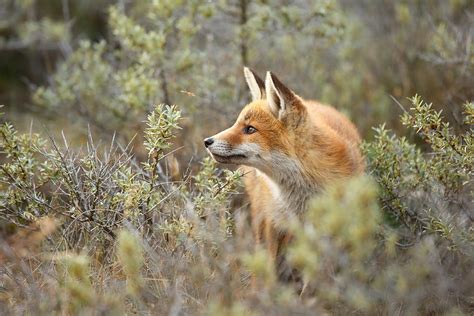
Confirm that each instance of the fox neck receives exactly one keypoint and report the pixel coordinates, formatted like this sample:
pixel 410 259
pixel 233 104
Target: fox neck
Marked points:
pixel 290 189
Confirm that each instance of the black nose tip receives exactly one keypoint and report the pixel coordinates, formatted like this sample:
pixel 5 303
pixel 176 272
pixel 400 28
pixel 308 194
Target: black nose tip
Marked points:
pixel 208 142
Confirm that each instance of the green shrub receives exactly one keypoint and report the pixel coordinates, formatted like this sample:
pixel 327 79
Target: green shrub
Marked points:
pixel 427 192
pixel 402 246
pixel 131 238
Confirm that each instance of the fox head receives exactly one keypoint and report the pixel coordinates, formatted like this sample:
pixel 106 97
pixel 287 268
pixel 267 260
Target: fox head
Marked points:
pixel 264 134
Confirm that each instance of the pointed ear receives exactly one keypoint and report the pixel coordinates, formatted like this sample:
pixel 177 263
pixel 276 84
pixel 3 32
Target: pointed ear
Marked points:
pixel 255 83
pixel 280 98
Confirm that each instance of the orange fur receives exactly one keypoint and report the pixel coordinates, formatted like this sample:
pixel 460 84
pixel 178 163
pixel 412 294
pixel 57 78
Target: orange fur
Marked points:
pixel 334 145
pixel 299 147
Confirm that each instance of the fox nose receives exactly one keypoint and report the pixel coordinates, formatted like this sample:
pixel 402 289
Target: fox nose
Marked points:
pixel 208 141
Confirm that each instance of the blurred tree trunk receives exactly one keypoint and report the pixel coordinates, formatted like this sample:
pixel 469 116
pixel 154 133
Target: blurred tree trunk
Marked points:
pixel 243 42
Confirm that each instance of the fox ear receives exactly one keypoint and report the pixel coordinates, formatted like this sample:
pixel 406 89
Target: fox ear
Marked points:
pixel 279 97
pixel 255 83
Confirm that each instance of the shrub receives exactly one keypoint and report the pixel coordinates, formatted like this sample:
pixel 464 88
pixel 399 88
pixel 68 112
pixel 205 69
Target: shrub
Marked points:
pixel 426 192
pixel 114 229
pixel 128 240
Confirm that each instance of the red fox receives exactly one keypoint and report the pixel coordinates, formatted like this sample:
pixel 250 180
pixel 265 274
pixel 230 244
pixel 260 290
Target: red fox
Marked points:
pixel 291 149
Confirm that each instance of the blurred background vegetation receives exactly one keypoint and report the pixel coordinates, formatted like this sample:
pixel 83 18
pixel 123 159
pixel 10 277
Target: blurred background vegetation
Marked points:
pixel 355 55
pixel 76 75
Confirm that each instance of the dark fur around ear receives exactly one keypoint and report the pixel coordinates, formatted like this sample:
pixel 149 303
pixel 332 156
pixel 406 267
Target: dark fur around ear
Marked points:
pixel 283 91
pixel 281 99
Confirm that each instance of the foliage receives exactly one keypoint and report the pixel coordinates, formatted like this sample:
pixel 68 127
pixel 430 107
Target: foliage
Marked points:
pixel 353 263
pixel 180 247
pixel 130 256
pixel 94 191
pixel 357 54
pixel 96 228
pixel 159 52
pixel 427 192
pixel 20 31
pixel 393 48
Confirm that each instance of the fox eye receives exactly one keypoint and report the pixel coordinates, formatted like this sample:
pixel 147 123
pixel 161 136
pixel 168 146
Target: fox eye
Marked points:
pixel 249 129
